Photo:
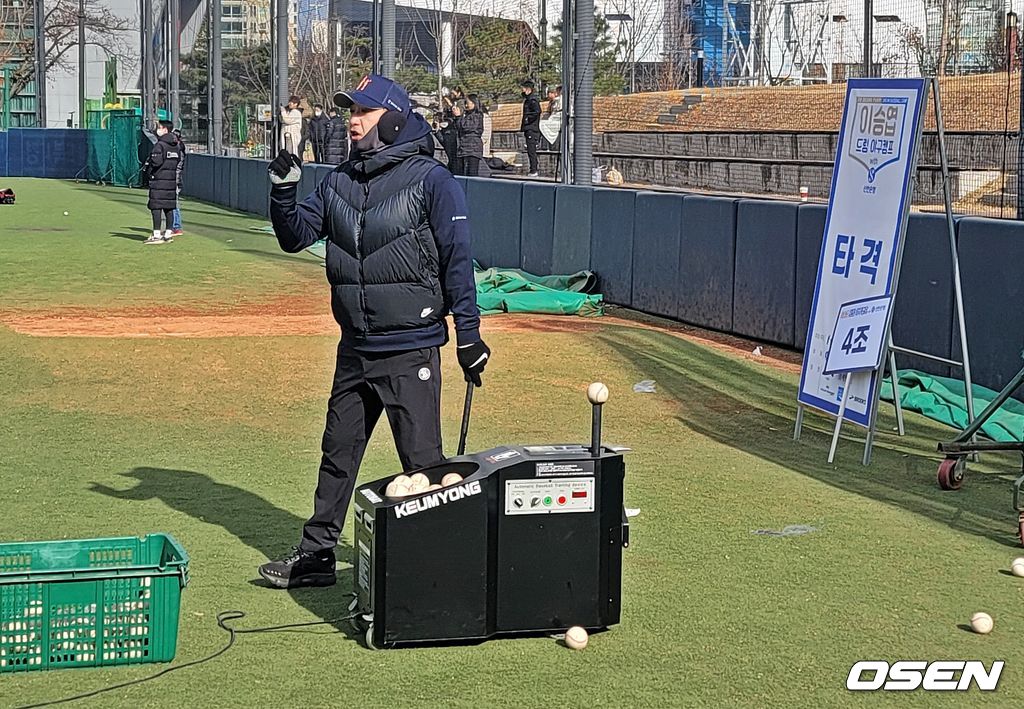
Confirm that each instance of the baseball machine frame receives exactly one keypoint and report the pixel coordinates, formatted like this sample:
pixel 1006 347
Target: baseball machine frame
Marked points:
pixel 530 541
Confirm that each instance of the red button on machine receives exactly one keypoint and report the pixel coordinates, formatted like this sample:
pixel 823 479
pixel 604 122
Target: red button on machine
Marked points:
pixel 561 500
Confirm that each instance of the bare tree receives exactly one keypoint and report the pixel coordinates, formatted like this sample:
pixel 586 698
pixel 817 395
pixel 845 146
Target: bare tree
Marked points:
pixel 313 74
pixel 446 24
pixel 908 45
pixel 790 42
pixel 678 44
pixel 103 29
pixel 637 37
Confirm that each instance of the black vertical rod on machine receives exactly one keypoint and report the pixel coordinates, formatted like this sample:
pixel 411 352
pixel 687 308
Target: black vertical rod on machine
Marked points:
pixel 39 21
pixel 595 431
pixel 467 407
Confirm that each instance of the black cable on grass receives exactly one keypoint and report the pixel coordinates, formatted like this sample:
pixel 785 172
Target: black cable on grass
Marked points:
pixel 222 622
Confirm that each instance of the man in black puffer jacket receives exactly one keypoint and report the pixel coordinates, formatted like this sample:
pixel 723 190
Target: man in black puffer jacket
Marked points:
pixel 398 261
pixel 337 139
pixel 318 127
pixel 162 169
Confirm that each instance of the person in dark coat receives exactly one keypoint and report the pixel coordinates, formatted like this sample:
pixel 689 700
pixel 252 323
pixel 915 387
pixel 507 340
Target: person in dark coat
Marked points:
pixel 318 127
pixel 176 226
pixel 470 125
pixel 448 136
pixel 398 260
pixel 337 139
pixel 531 125
pixel 162 169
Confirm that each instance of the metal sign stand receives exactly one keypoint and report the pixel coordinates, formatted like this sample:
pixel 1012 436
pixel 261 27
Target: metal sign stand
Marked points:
pixel 889 355
pixel 965 364
pixel 839 418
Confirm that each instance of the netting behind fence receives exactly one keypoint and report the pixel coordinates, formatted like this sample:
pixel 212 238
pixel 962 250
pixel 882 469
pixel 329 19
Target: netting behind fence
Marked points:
pixel 727 96
pixel 114 148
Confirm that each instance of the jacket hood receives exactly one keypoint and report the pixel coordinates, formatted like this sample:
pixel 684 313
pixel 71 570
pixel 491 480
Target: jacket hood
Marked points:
pixel 169 138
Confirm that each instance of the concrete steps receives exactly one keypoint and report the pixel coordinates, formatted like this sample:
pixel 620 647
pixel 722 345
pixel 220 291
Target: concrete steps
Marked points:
pixel 689 102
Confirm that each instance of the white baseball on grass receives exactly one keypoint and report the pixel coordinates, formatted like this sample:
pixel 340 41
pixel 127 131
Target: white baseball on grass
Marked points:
pixel 576 637
pixel 982 623
pixel 597 393
pixel 451 479
pixel 1017 567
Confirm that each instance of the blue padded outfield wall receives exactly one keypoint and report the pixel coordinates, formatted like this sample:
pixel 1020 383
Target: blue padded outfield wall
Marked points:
pixel 740 266
pixel 43 152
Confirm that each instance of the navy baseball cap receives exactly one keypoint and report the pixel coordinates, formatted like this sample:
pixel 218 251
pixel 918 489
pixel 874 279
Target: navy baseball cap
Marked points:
pixel 375 91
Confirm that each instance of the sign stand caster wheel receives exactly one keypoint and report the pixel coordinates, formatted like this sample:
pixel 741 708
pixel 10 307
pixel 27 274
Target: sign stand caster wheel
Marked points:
pixel 951 473
pixel 368 637
pixel 1020 527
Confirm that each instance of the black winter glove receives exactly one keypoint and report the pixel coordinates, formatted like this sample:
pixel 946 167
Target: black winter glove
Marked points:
pixel 473 358
pixel 286 169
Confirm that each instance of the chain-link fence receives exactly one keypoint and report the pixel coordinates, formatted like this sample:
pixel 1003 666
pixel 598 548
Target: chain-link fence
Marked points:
pixel 726 96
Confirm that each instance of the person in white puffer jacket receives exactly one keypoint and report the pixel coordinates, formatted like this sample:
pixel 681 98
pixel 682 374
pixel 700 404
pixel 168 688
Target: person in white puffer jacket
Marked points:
pixel 291 126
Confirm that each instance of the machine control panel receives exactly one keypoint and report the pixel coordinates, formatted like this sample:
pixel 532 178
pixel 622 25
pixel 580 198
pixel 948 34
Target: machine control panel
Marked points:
pixel 549 496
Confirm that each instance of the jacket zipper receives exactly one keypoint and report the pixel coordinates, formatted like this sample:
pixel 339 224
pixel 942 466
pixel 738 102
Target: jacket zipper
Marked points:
pixel 359 254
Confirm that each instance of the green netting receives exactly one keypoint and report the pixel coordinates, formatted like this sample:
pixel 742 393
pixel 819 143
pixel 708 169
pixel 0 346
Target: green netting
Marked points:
pixel 942 399
pixel 98 158
pixel 113 147
pixel 126 130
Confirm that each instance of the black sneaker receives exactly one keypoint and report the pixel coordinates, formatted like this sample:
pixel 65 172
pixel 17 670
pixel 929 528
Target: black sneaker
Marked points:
pixel 301 568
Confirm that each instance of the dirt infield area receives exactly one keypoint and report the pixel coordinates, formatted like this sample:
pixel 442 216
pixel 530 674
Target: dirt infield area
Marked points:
pixel 309 316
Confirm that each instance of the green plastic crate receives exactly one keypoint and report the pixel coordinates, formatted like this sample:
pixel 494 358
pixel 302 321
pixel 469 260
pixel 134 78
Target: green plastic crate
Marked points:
pixel 90 602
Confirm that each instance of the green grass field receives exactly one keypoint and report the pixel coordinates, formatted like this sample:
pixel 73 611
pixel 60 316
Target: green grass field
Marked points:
pixel 215 439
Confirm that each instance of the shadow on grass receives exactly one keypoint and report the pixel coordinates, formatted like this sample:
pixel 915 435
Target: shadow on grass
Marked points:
pixel 126 235
pixel 752 409
pixel 303 256
pixel 253 520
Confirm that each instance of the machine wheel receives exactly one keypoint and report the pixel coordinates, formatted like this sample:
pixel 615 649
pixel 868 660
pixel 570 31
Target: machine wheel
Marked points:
pixel 951 473
pixel 361 622
pixel 1020 527
pixel 369 638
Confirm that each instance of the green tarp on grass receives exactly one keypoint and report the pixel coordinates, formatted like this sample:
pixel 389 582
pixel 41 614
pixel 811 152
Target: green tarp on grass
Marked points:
pixel 509 290
pixel 942 399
